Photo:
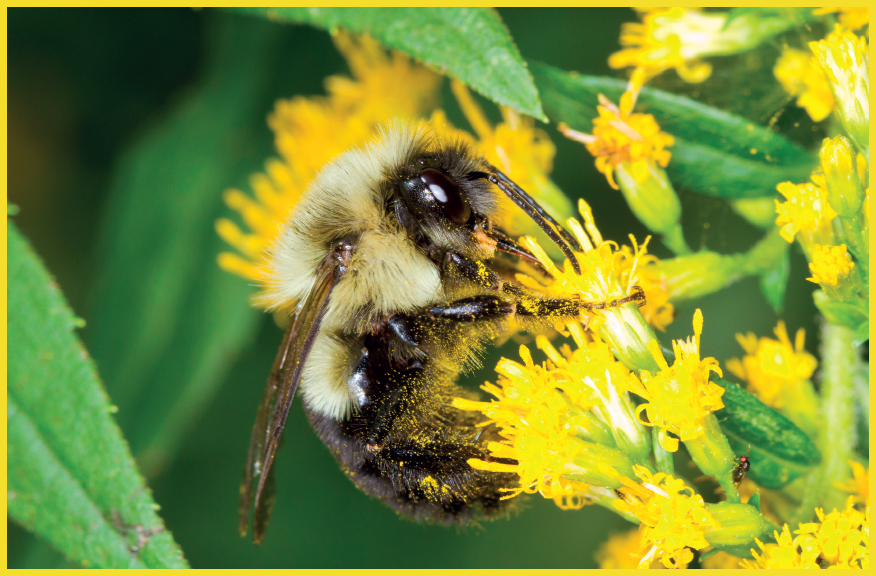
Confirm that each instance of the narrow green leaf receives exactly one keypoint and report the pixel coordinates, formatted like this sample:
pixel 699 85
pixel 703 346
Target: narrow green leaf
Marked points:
pixel 71 478
pixel 715 153
pixel 775 281
pixel 166 321
pixel 470 44
pixel 780 451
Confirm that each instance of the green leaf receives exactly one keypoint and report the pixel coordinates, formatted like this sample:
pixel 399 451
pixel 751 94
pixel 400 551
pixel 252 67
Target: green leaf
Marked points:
pixel 167 321
pixel 775 281
pixel 470 44
pixel 715 153
pixel 780 451
pixel 71 478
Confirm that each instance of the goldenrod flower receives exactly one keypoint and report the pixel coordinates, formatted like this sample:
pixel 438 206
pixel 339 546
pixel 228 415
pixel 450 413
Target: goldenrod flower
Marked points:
pixel 830 264
pixel 680 37
pixel 837 540
pixel 635 267
pixel 800 75
pixel 774 369
pixel 625 139
pixel 618 321
pixel 674 519
pixel 623 550
pixel 309 132
pixel 782 555
pixel 838 537
pixel 547 416
pixel 845 61
pixel 859 485
pixel 851 18
pixel 679 397
pixel 631 150
pixel 805 211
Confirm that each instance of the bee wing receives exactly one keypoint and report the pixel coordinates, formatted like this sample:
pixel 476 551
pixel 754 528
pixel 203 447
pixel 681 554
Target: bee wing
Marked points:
pixel 274 408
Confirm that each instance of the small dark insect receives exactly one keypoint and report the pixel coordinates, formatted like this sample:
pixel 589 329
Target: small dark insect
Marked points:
pixel 401 275
pixel 742 468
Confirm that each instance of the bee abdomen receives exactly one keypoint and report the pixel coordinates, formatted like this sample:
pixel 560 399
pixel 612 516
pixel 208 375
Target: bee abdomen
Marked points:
pixel 427 480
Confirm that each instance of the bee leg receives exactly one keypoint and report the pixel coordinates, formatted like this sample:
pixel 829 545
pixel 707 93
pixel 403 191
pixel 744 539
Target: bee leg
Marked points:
pixel 472 309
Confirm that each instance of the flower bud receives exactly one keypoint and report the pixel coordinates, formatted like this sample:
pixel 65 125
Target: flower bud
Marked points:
pixel 844 190
pixel 739 523
pixel 654 202
pixel 845 60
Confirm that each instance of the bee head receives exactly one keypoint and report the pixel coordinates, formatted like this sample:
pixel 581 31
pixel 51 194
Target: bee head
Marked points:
pixel 440 195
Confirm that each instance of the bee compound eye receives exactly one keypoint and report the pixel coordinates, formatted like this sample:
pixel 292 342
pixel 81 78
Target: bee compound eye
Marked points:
pixel 447 194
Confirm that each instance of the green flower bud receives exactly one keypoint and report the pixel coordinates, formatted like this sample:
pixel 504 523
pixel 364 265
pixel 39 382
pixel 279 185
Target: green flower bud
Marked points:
pixel 654 202
pixel 740 524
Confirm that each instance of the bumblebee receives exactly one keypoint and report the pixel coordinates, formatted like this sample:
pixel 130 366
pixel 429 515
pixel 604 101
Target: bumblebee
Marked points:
pixel 401 276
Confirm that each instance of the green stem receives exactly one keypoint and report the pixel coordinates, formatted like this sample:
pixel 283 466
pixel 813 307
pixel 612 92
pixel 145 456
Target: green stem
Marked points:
pixel 837 432
pixel 665 462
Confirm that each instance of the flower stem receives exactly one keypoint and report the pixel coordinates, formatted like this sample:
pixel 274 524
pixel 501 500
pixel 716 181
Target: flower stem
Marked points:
pixel 664 460
pixel 837 432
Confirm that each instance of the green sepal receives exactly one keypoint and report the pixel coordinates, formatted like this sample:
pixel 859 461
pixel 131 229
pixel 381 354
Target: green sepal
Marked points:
pixel 755 500
pixel 712 154
pixel 851 315
pixel 780 451
pixel 471 44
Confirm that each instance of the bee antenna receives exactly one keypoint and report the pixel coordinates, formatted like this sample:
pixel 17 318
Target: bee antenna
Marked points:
pixel 549 226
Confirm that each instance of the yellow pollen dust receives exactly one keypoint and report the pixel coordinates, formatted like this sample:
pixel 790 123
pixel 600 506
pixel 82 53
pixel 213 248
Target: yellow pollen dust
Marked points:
pixel 800 75
pixel 830 264
pixel 680 396
pixel 621 136
pixel 674 518
pixel 773 367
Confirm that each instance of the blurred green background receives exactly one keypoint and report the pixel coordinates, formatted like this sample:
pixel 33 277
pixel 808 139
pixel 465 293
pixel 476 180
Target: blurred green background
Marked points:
pixel 96 96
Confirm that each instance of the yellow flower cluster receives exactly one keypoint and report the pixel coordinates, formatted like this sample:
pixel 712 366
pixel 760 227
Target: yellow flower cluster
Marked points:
pixel 774 369
pixel 830 264
pixel 670 38
pixel 851 18
pixel 800 75
pixel 805 211
pixel 624 138
pixel 837 540
pixel 607 272
pixel 622 551
pixel 680 396
pixel 552 420
pixel 674 518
